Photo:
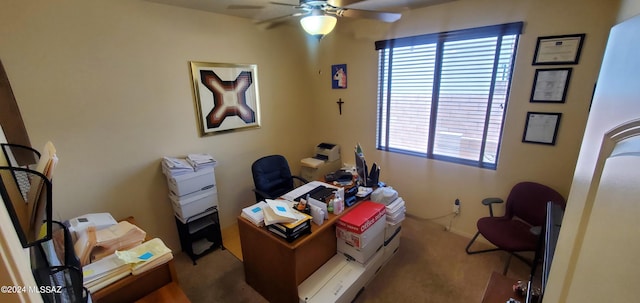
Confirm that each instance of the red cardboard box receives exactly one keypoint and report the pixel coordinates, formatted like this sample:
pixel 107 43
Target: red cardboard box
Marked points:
pixel 358 226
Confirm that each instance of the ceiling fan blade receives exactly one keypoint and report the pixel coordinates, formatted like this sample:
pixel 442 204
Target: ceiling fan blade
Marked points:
pixel 342 3
pixel 244 6
pixel 278 20
pixel 284 4
pixel 358 13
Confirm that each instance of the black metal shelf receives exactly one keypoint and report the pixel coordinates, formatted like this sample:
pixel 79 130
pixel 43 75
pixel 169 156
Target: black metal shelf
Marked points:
pixel 198 231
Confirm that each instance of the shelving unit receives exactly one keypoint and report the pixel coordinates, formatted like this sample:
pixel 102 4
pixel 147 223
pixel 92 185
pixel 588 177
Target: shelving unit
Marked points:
pixel 200 234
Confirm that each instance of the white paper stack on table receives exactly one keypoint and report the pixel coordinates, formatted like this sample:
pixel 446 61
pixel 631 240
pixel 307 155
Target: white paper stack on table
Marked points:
pixel 200 161
pixel 172 167
pixel 254 213
pixel 99 274
pixel 146 256
pixel 396 211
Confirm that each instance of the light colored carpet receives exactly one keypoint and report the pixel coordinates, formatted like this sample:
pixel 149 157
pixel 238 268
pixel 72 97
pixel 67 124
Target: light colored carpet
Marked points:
pixel 430 266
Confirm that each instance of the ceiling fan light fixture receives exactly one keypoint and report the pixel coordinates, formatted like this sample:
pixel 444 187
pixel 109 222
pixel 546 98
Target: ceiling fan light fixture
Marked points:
pixel 318 24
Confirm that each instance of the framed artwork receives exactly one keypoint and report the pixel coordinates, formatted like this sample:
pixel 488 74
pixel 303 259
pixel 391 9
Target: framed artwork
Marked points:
pixel 226 96
pixel 339 76
pixel 541 128
pixel 555 50
pixel 550 85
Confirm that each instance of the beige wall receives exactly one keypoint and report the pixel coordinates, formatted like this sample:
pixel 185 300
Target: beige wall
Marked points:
pixel 628 9
pixel 430 187
pixel 108 82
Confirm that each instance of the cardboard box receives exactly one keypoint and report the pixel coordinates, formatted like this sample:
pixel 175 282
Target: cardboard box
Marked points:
pixel 203 179
pixel 192 204
pixel 362 255
pixel 339 280
pixel 361 224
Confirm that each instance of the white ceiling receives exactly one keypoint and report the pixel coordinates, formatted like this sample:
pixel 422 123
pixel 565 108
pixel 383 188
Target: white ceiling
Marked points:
pixel 258 10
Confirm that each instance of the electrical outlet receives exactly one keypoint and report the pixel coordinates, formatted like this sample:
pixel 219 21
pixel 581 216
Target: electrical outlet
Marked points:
pixel 456 206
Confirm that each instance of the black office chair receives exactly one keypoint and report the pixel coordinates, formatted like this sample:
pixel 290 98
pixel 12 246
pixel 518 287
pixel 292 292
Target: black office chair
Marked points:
pixel 272 177
pixel 520 227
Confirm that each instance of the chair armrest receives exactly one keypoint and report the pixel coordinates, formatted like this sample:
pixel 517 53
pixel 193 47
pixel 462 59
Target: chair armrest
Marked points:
pixel 301 179
pixel 264 194
pixel 489 202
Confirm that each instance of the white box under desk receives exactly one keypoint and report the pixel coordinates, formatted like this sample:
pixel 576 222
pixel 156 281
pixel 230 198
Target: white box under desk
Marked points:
pixel 339 280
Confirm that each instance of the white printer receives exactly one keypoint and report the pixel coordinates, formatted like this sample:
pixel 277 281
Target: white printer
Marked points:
pixel 327 152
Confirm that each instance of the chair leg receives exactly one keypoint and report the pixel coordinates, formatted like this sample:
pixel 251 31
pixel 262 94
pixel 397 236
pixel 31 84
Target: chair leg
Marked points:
pixel 467 249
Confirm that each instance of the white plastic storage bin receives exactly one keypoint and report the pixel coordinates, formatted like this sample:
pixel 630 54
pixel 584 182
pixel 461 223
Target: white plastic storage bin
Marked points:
pixel 192 204
pixel 338 280
pixel 203 179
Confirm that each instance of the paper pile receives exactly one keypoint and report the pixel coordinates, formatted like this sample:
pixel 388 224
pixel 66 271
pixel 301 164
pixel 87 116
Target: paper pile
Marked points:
pixel 99 274
pixel 175 167
pixel 254 213
pixel 279 211
pixel 146 256
pixel 396 211
pixel 93 245
pixel 200 161
pixel 123 235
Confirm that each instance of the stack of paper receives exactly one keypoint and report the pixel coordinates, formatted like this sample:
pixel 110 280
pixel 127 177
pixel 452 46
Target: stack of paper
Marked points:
pixel 146 256
pixel 200 161
pixel 396 211
pixel 85 244
pixel 99 274
pixel 279 211
pixel 172 167
pixel 254 213
pixel 121 236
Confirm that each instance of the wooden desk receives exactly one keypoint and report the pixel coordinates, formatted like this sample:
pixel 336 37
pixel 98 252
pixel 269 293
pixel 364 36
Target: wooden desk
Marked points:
pixel 274 267
pixel 132 288
pixel 500 289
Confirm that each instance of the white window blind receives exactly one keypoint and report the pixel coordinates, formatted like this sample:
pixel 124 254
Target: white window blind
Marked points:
pixel 443 96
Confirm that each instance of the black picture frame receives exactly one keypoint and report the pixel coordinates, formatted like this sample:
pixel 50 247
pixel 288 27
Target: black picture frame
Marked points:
pixel 541 128
pixel 558 50
pixel 550 85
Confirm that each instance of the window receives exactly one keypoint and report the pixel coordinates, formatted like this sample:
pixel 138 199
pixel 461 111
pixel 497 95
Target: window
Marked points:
pixel 443 96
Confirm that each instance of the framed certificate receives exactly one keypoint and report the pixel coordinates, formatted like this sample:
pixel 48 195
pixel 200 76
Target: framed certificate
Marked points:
pixel 550 85
pixel 556 50
pixel 541 128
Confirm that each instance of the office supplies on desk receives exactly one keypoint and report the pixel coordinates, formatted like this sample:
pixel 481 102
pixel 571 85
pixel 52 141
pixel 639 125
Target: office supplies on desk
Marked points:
pixel 278 212
pixel 254 213
pixel 317 214
pixel 304 189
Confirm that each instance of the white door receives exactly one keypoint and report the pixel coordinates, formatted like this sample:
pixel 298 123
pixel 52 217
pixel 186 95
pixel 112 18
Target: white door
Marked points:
pixel 608 265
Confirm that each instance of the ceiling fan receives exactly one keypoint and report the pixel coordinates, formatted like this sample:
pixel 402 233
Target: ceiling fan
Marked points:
pixel 320 17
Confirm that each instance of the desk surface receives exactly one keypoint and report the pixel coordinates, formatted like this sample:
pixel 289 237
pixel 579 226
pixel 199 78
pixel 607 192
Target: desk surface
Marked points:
pixel 500 289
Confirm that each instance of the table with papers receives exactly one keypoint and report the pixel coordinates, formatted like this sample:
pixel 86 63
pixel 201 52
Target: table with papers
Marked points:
pixel 275 267
pixel 134 287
